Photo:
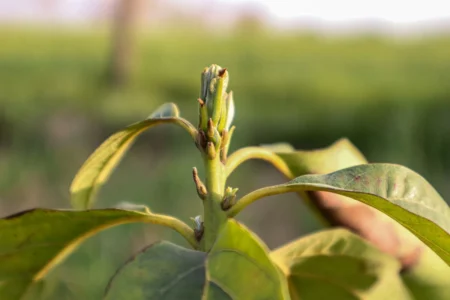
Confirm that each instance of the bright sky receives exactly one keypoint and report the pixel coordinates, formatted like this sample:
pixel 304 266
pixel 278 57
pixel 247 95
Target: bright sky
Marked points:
pixel 403 11
pixel 399 12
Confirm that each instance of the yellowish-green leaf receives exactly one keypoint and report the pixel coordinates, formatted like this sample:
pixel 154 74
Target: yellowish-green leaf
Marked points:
pixel 237 267
pixel 34 241
pixel 429 278
pixel 337 264
pixel 99 166
pixel 338 210
pixel 341 154
pixel 239 264
pixel 394 190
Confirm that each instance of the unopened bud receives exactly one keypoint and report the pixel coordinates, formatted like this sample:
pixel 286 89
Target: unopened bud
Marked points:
pixel 230 110
pixel 197 222
pixel 202 114
pixel 198 227
pixel 229 198
pixel 228 202
pixel 212 134
pixel 211 150
pixel 201 189
pixel 227 113
pixel 213 88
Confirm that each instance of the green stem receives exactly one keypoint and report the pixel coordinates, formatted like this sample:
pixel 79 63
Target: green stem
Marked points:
pixel 258 194
pixel 244 154
pixel 214 216
pixel 174 223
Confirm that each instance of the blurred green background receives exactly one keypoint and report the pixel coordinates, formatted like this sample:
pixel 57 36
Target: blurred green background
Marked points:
pixel 389 96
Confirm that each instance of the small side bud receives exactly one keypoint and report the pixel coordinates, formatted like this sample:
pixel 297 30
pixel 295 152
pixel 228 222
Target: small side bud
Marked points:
pixel 198 227
pixel 229 198
pixel 201 189
pixel 211 150
pixel 225 141
pixel 210 130
pixel 197 222
pixel 212 134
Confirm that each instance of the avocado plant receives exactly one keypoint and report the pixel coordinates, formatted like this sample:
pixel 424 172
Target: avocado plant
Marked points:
pixel 389 235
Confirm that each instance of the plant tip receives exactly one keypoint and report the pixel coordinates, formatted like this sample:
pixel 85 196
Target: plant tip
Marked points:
pixel 222 72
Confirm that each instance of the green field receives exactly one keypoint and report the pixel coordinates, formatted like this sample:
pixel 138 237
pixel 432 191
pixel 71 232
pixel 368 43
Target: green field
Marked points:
pixel 390 97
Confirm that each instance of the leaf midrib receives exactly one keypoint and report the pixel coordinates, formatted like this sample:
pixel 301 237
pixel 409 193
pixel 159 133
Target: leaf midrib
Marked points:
pixel 179 278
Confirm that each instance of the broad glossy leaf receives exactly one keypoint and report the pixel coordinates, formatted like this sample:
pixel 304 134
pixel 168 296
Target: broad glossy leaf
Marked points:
pixel 337 264
pixel 33 242
pixel 162 271
pixel 237 267
pixel 338 210
pixel 98 167
pixel 239 264
pixel 427 275
pixel 397 191
pixel 394 190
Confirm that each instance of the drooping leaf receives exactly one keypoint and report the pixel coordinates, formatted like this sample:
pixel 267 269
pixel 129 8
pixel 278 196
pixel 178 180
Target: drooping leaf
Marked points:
pixel 337 264
pixel 33 242
pixel 396 191
pixel 392 189
pixel 425 274
pixel 338 210
pixel 237 267
pixel 99 166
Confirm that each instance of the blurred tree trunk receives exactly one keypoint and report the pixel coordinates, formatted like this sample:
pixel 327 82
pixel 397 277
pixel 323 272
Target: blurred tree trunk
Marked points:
pixel 123 41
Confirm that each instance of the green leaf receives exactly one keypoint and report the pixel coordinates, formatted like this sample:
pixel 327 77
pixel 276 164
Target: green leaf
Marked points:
pixel 99 166
pixel 337 264
pixel 237 267
pixel 338 210
pixel 33 242
pixel 339 155
pixel 162 271
pixel 429 278
pixel 426 275
pixel 238 263
pixel 394 190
